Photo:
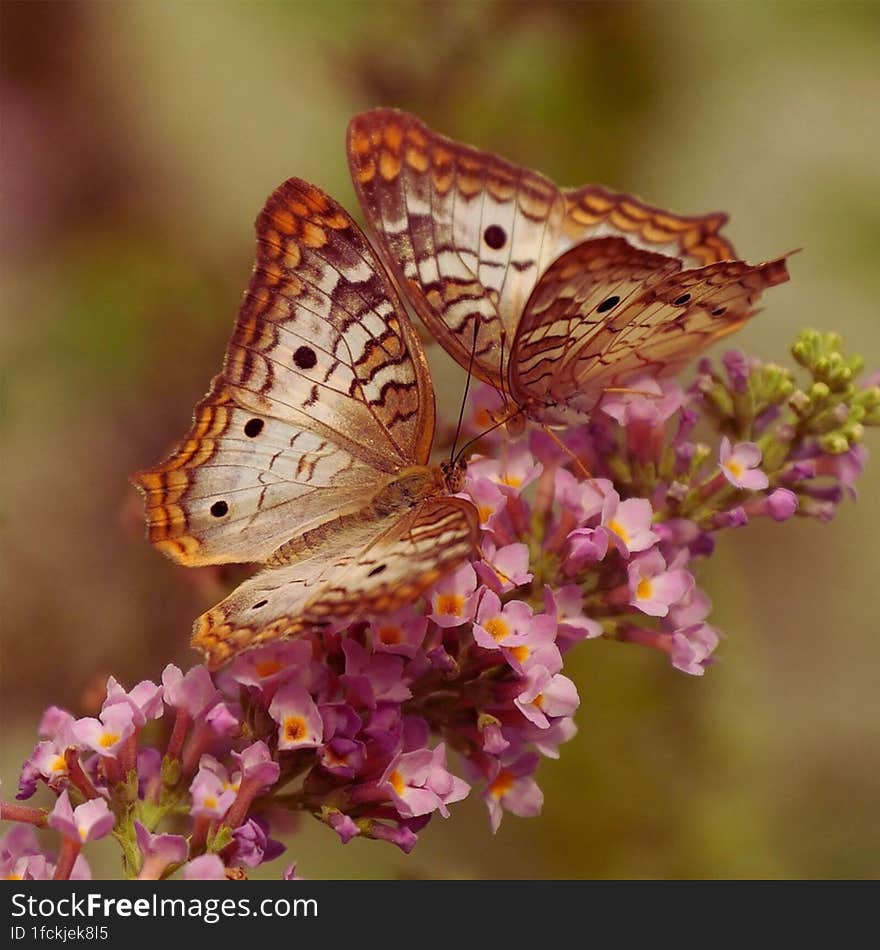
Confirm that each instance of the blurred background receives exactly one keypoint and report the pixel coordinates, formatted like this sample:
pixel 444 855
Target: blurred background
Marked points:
pixel 140 139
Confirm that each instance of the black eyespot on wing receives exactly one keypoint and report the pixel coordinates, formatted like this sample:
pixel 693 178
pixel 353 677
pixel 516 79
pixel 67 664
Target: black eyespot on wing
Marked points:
pixel 681 301
pixel 253 427
pixel 495 237
pixel 377 570
pixel 260 603
pixel 219 508
pixel 304 357
pixel 719 311
pixel 607 304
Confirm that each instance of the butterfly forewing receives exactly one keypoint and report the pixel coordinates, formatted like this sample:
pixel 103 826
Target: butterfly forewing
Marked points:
pixel 594 212
pixel 465 232
pixel 324 386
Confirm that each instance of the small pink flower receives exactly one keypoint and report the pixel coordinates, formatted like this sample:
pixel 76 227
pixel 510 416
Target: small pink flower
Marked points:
pixel 567 605
pixel 692 609
pixel 223 721
pixel 488 499
pixel 87 822
pixel 650 402
pixel 49 760
pixel 505 568
pixel 193 692
pixel 494 742
pixel 586 544
pixel 514 789
pixel 452 599
pixel 515 470
pixel 546 695
pixel 107 734
pixel 495 625
pixel 299 723
pixel 145 700
pixel 207 867
pixel 628 523
pixel 779 505
pixel 342 757
pixel 158 852
pixel 343 825
pixel 264 667
pixel 212 790
pixel 29 867
pixel 256 764
pixel 419 783
pixel 401 632
pixel 739 465
pixel 372 678
pixel 692 648
pixel 534 645
pixel 548 741
pixel 55 723
pixel 653 588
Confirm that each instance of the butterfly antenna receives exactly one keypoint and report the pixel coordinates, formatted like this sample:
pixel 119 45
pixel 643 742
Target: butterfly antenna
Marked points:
pixel 492 428
pixel 560 444
pixel 467 386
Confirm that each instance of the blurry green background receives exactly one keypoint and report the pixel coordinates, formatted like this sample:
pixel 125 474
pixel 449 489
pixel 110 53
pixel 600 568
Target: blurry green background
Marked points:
pixel 139 141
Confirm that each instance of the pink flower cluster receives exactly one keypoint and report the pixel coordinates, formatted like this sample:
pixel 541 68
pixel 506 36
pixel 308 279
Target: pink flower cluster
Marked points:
pixel 374 728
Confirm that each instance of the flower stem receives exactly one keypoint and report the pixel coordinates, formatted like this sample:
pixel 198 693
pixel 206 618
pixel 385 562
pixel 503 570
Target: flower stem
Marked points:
pixel 9 811
pixel 70 850
pixel 77 775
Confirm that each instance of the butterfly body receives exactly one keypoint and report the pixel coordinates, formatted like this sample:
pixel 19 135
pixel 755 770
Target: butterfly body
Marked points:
pixel 551 295
pixel 310 453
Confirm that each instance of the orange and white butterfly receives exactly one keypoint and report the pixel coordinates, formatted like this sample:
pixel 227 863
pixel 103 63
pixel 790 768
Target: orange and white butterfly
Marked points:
pixel 554 295
pixel 310 453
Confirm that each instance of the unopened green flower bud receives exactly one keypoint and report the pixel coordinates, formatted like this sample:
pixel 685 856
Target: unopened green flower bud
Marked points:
pixel 799 401
pixel 834 443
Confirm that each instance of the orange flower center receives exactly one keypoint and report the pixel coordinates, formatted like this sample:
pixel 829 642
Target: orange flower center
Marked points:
pixel 108 739
pixel 619 530
pixel 497 628
pixel 389 634
pixel 502 785
pixel 735 468
pixel 266 668
pixel 451 605
pixel 397 782
pixel 645 589
pixel 294 728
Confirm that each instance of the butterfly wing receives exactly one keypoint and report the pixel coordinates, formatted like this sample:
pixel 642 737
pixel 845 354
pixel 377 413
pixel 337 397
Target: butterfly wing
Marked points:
pixel 324 392
pixel 465 232
pixel 594 212
pixel 607 311
pixel 373 568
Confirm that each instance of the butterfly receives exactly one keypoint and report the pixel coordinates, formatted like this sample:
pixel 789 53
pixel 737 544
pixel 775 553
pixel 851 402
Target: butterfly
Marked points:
pixel 552 296
pixel 310 453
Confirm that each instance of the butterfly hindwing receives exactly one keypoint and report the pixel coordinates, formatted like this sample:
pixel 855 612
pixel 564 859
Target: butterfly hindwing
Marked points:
pixel 374 568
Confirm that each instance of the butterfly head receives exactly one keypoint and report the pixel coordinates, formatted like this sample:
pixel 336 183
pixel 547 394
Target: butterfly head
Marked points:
pixel 453 473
